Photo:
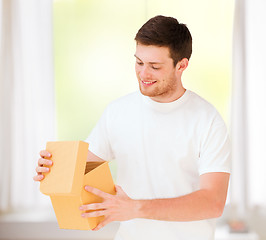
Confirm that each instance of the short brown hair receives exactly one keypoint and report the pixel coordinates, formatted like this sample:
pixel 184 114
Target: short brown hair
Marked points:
pixel 167 32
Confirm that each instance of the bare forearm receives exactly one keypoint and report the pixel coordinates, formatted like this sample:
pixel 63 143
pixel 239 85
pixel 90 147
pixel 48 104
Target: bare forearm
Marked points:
pixel 195 206
pixel 208 202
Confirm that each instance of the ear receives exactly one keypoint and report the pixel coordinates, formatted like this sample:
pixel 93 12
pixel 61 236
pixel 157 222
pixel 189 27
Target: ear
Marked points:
pixel 182 65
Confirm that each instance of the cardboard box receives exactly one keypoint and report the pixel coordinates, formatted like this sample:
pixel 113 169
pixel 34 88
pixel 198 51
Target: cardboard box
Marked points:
pixel 66 180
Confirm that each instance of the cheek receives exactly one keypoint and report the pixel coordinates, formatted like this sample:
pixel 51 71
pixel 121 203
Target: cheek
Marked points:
pixel 137 66
pixel 137 70
pixel 137 73
pixel 159 76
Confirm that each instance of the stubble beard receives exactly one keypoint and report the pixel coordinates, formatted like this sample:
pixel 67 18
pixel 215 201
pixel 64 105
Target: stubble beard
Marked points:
pixel 157 91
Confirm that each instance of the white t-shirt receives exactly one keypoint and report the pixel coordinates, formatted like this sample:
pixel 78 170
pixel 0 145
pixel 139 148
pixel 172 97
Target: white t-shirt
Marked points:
pixel 161 150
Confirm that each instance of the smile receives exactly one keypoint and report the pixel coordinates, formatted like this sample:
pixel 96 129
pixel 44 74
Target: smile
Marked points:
pixel 148 83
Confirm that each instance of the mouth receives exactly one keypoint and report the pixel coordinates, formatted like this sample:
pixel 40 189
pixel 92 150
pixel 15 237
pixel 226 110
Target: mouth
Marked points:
pixel 148 83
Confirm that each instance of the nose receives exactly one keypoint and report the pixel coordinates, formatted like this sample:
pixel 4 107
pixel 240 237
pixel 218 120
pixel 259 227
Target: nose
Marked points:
pixel 144 73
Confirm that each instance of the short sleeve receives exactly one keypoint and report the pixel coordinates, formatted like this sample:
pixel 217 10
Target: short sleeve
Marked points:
pixel 215 149
pixel 98 140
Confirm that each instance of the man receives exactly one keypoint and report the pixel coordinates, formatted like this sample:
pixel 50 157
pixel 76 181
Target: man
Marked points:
pixel 171 147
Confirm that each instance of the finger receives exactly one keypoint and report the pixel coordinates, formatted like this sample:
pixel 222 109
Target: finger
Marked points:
pixel 97 192
pixel 43 161
pixel 93 214
pixel 45 153
pixel 102 224
pixel 38 177
pixel 92 206
pixel 42 170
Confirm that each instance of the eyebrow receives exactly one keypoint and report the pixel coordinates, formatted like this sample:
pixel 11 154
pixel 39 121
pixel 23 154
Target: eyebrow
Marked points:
pixel 149 62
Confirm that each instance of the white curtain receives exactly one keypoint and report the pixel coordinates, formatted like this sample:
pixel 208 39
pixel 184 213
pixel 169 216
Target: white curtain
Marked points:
pixel 27 110
pixel 249 106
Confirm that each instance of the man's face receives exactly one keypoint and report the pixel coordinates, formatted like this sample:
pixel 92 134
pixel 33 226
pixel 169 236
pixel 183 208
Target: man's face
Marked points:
pixel 156 73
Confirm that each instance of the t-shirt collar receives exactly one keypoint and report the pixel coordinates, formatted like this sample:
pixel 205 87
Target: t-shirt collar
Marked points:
pixel 166 107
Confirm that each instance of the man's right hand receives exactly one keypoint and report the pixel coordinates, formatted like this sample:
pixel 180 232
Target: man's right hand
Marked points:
pixel 40 169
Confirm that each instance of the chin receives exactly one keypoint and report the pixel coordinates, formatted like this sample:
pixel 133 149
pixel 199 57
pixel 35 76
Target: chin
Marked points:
pixel 146 93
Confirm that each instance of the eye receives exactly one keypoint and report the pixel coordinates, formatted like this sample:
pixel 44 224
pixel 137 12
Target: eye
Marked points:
pixel 139 63
pixel 155 68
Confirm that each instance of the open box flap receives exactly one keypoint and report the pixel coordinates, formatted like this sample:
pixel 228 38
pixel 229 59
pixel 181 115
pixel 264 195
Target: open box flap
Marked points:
pixel 100 177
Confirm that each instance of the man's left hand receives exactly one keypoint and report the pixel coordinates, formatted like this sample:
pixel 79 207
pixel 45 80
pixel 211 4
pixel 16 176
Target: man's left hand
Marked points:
pixel 117 207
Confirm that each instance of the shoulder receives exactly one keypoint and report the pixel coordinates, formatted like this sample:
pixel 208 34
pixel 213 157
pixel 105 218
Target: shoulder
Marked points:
pixel 201 105
pixel 123 105
pixel 125 101
pixel 204 110
pixel 127 98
